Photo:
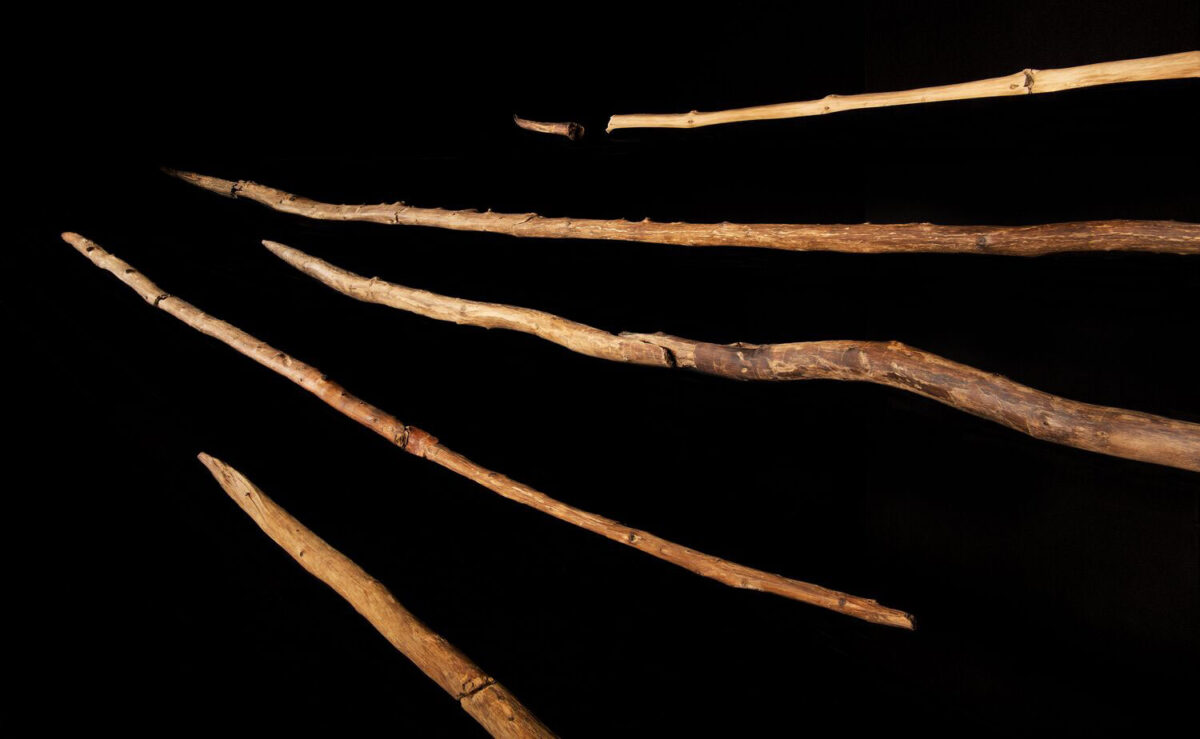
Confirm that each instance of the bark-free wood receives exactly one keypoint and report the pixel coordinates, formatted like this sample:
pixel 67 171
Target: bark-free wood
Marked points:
pixel 864 238
pixel 417 442
pixel 570 129
pixel 488 702
pixel 1112 431
pixel 1025 82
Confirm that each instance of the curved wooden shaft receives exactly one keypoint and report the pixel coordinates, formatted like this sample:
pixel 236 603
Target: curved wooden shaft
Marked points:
pixel 488 702
pixel 417 442
pixel 865 238
pixel 1120 433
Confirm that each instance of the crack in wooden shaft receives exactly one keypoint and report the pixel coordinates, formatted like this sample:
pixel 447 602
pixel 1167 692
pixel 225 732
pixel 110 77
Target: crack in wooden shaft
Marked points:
pixel 1169 237
pixel 417 442
pixel 1026 82
pixel 1113 431
pixel 488 702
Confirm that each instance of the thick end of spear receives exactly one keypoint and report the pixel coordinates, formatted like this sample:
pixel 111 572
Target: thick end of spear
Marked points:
pixel 228 188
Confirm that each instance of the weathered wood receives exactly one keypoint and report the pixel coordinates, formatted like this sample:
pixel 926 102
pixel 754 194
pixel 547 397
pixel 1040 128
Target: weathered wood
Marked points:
pixel 417 442
pixel 570 129
pixel 864 238
pixel 1120 433
pixel 488 702
pixel 1025 82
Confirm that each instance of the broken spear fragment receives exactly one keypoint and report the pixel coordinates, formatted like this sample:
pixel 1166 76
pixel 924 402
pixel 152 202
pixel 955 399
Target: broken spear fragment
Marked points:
pixel 421 444
pixel 1168 237
pixel 1113 431
pixel 487 701
pixel 570 129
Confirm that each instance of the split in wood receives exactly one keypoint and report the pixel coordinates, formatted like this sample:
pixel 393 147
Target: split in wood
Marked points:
pixel 1120 433
pixel 866 238
pixel 570 129
pixel 487 701
pixel 1025 82
pixel 417 442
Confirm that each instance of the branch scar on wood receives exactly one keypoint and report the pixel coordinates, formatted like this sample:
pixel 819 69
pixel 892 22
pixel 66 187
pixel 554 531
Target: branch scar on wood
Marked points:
pixel 865 238
pixel 1113 431
pixel 487 701
pixel 419 443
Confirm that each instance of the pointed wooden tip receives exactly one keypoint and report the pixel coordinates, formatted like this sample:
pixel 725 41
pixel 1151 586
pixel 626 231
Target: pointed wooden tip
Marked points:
pixel 218 185
pixel 230 480
pixel 82 244
pixel 292 256
pixel 214 465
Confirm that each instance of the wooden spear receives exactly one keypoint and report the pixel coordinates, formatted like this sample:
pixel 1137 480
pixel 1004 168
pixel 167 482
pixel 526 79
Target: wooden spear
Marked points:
pixel 417 442
pixel 1025 82
pixel 497 710
pixel 865 238
pixel 1112 431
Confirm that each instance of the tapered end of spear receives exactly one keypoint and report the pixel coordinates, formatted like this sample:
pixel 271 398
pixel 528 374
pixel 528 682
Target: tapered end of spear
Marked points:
pixel 294 257
pixel 82 244
pixel 283 251
pixel 227 188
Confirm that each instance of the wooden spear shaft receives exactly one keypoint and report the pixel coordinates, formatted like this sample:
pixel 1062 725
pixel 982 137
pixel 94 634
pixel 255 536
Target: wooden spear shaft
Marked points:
pixel 1119 433
pixel 487 701
pixel 1025 82
pixel 417 442
pixel 865 238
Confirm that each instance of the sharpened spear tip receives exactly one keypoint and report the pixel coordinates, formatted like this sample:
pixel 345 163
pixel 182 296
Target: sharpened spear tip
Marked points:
pixel 212 184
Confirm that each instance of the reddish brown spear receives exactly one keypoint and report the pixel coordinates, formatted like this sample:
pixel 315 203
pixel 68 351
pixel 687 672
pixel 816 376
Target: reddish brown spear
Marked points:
pixel 415 441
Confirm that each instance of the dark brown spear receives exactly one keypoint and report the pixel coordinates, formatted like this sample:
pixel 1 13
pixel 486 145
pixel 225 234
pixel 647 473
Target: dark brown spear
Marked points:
pixel 497 710
pixel 417 442
pixel 1026 82
pixel 1112 431
pixel 570 129
pixel 866 238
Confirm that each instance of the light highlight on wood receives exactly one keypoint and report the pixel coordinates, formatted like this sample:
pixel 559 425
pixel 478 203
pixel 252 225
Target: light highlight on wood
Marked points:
pixel 487 701
pixel 1025 82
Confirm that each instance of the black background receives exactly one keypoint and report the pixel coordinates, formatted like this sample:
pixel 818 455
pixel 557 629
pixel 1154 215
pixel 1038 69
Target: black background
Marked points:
pixel 1053 588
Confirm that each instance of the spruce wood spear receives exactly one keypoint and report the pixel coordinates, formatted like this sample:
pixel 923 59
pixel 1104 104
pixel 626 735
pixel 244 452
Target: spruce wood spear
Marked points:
pixel 1169 237
pixel 487 701
pixel 1026 82
pixel 419 443
pixel 1113 431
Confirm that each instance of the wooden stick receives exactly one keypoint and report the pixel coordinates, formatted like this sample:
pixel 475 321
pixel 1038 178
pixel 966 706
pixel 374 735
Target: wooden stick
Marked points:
pixel 417 442
pixel 1025 82
pixel 497 710
pixel 1112 431
pixel 865 238
pixel 570 129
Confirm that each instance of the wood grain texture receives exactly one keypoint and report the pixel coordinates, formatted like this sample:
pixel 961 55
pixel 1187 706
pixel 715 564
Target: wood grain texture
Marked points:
pixel 865 238
pixel 570 129
pixel 1026 82
pixel 488 702
pixel 417 442
pixel 1119 433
